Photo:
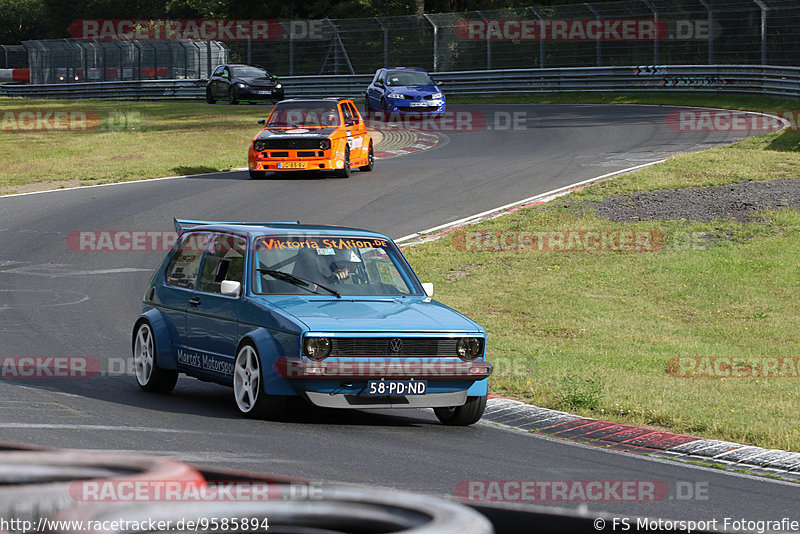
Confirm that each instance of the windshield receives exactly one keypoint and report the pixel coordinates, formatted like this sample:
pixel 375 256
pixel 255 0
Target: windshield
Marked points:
pixel 249 72
pixel 304 114
pixel 349 265
pixel 397 78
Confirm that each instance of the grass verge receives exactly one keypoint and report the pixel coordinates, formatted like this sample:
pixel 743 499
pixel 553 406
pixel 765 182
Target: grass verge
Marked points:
pixel 592 333
pixel 133 140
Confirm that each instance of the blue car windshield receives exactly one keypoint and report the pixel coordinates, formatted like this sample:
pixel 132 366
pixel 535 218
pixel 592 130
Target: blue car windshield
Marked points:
pixel 299 264
pixel 397 78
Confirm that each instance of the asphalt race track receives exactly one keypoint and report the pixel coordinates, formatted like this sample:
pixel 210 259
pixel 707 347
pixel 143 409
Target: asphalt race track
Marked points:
pixel 55 301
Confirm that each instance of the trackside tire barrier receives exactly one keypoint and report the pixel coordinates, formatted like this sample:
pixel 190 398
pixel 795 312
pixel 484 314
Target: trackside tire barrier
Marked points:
pixel 329 509
pixel 36 484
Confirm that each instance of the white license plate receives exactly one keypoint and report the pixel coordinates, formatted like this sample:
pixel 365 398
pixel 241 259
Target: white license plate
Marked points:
pixel 419 104
pixel 263 92
pixel 383 388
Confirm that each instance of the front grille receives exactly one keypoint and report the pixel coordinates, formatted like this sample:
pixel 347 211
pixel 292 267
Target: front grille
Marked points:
pixel 420 108
pixel 293 143
pixel 306 154
pixel 410 346
pixel 279 154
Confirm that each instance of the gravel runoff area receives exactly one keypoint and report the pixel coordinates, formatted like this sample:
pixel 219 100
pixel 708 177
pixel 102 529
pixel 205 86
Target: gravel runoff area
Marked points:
pixel 740 201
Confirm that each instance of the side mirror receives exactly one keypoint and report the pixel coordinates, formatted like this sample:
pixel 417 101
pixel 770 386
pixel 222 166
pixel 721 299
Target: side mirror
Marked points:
pixel 428 287
pixel 230 288
pixel 438 83
pixel 378 84
pixel 262 121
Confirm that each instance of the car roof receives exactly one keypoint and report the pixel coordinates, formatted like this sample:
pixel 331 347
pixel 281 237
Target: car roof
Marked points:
pixel 275 228
pixel 420 69
pixel 328 99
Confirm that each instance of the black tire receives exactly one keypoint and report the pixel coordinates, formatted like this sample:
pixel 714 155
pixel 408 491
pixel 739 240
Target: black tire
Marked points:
pixel 258 175
pixel 209 97
pixel 367 107
pixel 370 158
pixel 248 386
pixel 149 375
pixel 344 172
pixel 232 100
pixel 464 415
pixel 383 105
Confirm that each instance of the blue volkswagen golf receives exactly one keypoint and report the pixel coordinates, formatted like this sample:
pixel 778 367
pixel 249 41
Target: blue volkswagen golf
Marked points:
pixel 404 90
pixel 331 314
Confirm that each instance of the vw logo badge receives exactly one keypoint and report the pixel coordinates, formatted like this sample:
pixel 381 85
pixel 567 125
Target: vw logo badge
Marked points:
pixel 396 345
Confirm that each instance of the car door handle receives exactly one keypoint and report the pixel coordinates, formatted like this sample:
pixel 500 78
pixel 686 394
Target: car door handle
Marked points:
pixel 194 302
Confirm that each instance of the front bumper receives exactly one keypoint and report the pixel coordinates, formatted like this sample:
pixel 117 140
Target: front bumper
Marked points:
pixel 277 160
pixel 259 93
pixel 413 106
pixel 344 400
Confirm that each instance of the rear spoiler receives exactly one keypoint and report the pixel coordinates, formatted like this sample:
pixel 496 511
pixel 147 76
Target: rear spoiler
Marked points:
pixel 182 224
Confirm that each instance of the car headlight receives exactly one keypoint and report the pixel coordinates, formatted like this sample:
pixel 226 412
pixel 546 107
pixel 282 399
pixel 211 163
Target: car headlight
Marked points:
pixel 317 348
pixel 396 95
pixel 468 348
pixel 437 95
pixel 259 145
pixel 241 85
pixel 277 86
pixel 325 144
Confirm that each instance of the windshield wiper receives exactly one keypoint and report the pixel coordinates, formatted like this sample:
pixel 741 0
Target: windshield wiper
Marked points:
pixel 299 282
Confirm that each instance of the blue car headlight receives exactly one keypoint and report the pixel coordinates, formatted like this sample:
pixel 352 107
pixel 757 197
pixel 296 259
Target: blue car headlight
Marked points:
pixel 317 348
pixel 468 348
pixel 437 95
pixel 396 95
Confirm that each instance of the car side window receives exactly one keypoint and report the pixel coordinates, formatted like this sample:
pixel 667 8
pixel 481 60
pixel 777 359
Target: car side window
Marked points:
pixel 185 263
pixel 353 113
pixel 378 77
pixel 218 71
pixel 348 117
pixel 224 260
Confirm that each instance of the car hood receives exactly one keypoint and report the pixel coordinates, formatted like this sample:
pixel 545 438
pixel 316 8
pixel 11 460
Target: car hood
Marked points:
pixel 413 90
pixel 370 314
pixel 295 133
pixel 261 81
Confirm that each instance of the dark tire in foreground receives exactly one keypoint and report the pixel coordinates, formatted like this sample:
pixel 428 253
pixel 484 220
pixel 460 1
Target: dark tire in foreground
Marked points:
pixel 344 172
pixel 371 160
pixel 464 415
pixel 258 175
pixel 209 97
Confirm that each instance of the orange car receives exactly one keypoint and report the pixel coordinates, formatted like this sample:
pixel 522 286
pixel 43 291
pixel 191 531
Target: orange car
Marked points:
pixel 325 134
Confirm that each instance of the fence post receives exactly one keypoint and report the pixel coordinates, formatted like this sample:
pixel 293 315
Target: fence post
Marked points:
pixel 488 42
pixel 435 42
pixel 657 37
pixel 710 31
pixel 597 40
pixel 764 10
pixel 385 42
pixel 541 37
pixel 291 53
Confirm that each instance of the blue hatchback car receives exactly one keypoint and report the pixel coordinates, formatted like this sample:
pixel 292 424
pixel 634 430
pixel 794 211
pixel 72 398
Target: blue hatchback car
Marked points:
pixel 404 90
pixel 331 314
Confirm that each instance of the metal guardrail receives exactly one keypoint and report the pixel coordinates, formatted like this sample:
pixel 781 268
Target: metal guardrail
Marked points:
pixel 766 80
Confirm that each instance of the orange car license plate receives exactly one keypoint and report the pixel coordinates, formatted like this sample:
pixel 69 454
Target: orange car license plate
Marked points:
pixel 292 165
